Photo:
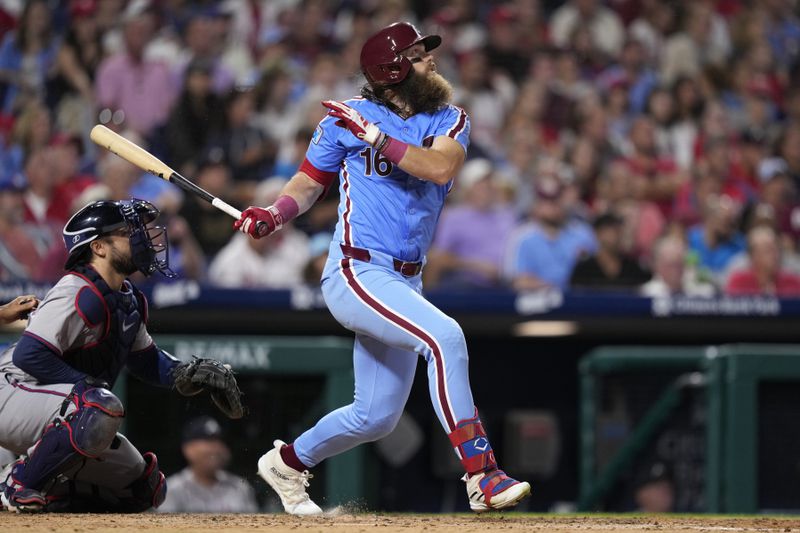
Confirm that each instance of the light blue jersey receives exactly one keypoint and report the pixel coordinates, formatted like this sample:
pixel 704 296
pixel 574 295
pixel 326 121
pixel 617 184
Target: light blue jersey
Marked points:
pixel 382 207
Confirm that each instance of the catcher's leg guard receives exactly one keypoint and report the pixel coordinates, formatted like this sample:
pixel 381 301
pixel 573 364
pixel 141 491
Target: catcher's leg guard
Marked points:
pixel 149 490
pixel 86 432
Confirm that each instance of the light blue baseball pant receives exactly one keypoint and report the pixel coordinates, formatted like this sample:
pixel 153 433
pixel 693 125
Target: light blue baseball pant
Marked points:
pixel 393 324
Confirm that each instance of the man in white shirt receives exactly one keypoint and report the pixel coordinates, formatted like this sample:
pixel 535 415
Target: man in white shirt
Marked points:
pixel 204 486
pixel 608 33
pixel 275 263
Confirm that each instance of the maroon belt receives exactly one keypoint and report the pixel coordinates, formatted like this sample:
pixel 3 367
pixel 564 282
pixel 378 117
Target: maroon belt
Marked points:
pixel 406 268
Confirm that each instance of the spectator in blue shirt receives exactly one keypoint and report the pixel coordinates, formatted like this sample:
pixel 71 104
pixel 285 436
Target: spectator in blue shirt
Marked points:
pixel 717 239
pixel 543 252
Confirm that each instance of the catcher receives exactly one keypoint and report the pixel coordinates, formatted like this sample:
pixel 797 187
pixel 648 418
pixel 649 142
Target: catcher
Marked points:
pixel 56 407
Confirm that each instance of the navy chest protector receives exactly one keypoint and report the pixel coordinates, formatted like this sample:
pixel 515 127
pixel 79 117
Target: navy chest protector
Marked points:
pixel 125 312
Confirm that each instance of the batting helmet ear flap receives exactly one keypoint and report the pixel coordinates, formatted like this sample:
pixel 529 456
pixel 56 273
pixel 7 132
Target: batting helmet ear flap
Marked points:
pixel 389 73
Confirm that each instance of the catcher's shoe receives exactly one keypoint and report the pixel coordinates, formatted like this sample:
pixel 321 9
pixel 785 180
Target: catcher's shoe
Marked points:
pixel 5 477
pixel 287 482
pixel 4 505
pixel 24 501
pixel 494 490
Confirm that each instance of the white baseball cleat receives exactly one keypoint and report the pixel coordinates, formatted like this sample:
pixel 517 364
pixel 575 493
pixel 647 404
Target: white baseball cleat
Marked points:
pixel 4 505
pixel 494 490
pixel 287 482
pixel 5 477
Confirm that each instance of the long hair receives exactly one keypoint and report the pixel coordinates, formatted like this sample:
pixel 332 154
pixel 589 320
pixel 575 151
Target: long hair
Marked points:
pixel 22 31
pixel 381 94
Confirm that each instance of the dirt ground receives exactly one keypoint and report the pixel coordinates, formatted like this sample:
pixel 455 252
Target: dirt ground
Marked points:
pixel 355 523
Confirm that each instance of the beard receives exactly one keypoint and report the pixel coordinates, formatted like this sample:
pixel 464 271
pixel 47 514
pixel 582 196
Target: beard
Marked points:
pixel 423 93
pixel 122 263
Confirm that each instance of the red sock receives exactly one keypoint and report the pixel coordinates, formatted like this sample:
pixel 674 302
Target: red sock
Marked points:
pixel 291 459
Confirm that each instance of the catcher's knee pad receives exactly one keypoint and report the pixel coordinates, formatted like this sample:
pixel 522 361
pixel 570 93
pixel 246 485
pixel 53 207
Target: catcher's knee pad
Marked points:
pixel 86 432
pixel 98 418
pixel 150 489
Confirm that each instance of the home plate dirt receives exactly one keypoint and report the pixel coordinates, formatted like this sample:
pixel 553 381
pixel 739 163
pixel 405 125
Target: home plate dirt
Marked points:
pixel 385 523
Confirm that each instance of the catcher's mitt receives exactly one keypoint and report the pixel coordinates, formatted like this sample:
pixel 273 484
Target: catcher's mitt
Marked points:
pixel 200 375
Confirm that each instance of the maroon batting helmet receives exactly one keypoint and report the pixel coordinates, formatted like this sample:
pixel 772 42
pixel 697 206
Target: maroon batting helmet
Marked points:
pixel 381 60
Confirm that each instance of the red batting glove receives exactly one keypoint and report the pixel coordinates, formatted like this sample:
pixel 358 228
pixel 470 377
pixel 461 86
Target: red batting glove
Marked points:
pixel 248 223
pixel 352 120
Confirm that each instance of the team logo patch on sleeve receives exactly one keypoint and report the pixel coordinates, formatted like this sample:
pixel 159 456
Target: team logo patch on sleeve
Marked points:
pixel 317 135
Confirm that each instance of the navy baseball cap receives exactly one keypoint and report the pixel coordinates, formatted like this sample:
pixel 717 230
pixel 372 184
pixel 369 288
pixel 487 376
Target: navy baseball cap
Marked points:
pixel 201 428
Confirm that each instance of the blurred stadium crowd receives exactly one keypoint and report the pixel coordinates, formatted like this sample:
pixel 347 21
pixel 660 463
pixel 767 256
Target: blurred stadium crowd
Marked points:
pixel 651 146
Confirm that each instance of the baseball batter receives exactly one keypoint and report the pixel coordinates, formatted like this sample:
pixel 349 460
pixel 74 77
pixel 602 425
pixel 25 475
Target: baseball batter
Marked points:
pixel 395 151
pixel 56 407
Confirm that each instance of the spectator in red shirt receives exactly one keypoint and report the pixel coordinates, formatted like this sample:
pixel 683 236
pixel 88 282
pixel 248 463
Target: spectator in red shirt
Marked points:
pixel 714 174
pixel 19 254
pixel 765 275
pixel 779 192
pixel 658 178
pixel 70 182
pixel 31 131
pixel 789 150
pixel 39 172
pixel 753 146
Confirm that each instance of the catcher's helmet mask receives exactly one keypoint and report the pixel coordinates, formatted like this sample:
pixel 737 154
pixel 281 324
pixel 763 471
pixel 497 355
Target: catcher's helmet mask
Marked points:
pixel 149 244
pixel 382 61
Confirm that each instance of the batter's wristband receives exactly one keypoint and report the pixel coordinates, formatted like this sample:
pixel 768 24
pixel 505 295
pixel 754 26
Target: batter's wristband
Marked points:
pixel 393 149
pixel 283 210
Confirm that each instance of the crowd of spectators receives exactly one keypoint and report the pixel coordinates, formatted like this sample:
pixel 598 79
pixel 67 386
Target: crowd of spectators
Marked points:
pixel 651 146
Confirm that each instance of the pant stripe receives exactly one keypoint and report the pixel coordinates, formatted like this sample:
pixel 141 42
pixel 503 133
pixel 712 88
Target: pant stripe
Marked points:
pixel 348 271
pixel 18 385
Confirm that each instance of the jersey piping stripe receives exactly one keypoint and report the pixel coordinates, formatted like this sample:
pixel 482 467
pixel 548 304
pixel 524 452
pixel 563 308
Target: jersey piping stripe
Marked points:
pixel 459 126
pixel 49 345
pixel 347 229
pixel 347 270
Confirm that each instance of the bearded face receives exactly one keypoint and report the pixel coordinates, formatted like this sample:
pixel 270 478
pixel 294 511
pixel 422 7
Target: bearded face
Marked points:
pixel 425 93
pixel 422 93
pixel 122 261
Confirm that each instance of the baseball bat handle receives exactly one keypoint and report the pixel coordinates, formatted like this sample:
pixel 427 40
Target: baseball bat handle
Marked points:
pixel 192 188
pixel 261 227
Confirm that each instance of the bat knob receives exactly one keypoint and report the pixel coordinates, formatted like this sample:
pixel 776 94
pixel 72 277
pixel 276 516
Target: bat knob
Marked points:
pixel 262 229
